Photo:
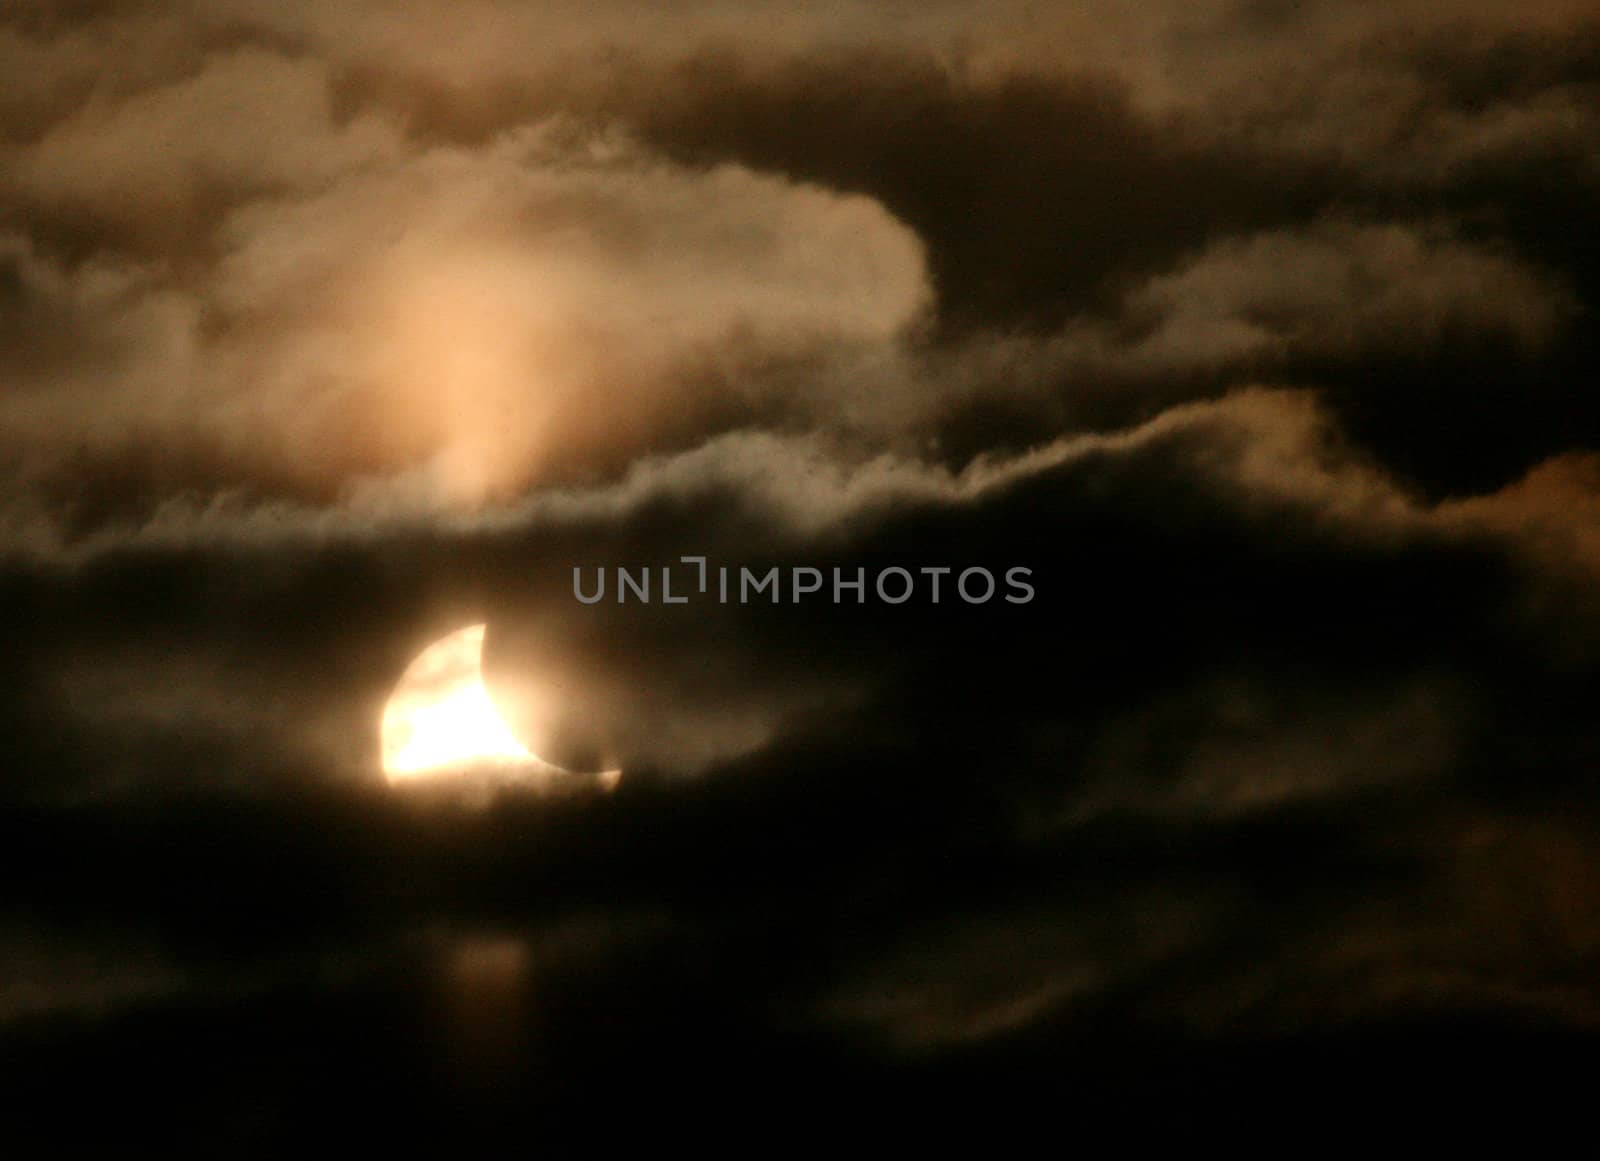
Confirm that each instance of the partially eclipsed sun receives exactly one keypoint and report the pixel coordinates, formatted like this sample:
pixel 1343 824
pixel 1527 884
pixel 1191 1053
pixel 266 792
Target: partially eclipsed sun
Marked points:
pixel 440 720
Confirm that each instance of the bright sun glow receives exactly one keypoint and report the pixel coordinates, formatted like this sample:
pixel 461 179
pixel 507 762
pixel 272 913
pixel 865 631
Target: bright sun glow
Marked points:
pixel 440 716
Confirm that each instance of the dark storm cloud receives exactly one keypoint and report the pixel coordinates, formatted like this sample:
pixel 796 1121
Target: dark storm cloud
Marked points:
pixel 1261 334
pixel 227 606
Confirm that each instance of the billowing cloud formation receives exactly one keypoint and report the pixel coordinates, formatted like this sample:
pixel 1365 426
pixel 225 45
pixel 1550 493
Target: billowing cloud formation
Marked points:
pixel 1260 335
pixel 489 319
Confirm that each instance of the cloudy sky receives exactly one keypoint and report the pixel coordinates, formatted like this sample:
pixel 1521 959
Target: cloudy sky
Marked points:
pixel 1262 334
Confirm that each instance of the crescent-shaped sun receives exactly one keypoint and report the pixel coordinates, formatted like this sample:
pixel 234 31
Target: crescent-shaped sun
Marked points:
pixel 440 718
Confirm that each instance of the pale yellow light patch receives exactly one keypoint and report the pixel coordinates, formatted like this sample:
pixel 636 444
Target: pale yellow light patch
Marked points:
pixel 440 716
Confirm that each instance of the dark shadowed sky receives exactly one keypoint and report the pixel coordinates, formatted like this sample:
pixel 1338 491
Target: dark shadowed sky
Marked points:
pixel 1261 334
